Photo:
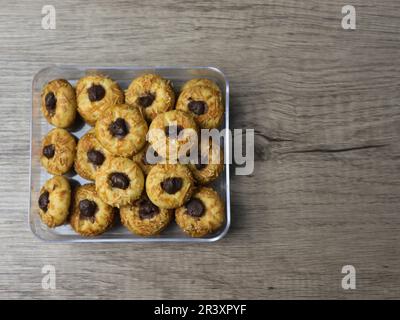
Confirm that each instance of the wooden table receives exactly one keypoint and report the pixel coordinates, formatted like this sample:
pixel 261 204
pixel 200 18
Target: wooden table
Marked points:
pixel 324 103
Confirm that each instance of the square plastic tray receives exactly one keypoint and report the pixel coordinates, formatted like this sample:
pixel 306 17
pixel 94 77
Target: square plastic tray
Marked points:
pixel 123 75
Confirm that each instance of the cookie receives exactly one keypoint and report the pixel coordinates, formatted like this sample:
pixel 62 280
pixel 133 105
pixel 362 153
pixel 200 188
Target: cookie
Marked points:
pixel 169 185
pixel 203 214
pixel 201 82
pixel 119 182
pixel 90 215
pixel 147 158
pixel 122 130
pixel 58 151
pixel 144 218
pixel 172 133
pixel 152 93
pixel 58 103
pixel 90 155
pixel 54 201
pixel 95 93
pixel 204 103
pixel 209 164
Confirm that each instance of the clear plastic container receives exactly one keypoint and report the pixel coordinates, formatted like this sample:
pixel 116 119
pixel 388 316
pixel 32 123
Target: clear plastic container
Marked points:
pixel 123 75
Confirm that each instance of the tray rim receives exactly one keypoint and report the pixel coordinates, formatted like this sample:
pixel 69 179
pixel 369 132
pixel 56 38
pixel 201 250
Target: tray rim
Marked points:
pixel 140 240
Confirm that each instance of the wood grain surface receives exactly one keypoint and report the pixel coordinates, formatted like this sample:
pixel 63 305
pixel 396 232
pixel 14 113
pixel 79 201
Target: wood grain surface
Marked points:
pixel 324 103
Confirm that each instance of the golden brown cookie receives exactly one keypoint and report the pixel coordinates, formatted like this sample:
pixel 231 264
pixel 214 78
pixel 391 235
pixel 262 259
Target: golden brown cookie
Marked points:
pixel 203 214
pixel 147 158
pixel 169 185
pixel 209 164
pixel 152 93
pixel 90 215
pixel 122 130
pixel 95 93
pixel 90 155
pixel 172 133
pixel 144 218
pixel 119 181
pixel 204 103
pixel 58 151
pixel 201 82
pixel 58 103
pixel 54 201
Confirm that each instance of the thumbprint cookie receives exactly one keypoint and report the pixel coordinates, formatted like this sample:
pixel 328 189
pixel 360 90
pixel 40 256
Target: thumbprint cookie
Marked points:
pixel 203 214
pixel 144 218
pixel 152 93
pixel 172 134
pixel 54 201
pixel 90 156
pixel 90 215
pixel 169 186
pixel 119 181
pixel 122 130
pixel 58 151
pixel 58 103
pixel 94 94
pixel 204 103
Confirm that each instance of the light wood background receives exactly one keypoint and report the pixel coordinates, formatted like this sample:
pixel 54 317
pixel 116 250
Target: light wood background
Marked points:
pixel 325 105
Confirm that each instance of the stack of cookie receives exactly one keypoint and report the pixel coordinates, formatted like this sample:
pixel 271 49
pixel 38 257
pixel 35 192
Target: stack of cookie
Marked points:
pixel 126 154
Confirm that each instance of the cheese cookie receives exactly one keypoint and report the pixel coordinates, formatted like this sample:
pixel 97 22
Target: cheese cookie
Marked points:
pixel 95 93
pixel 203 214
pixel 58 103
pixel 54 201
pixel 152 93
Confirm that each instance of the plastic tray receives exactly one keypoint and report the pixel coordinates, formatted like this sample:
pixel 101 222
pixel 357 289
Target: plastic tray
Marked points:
pixel 123 75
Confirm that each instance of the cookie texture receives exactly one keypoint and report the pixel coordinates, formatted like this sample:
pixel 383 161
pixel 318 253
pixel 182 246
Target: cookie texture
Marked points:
pixel 58 103
pixel 58 151
pixel 147 158
pixel 201 82
pixel 152 93
pixel 172 134
pixel 90 155
pixel 209 163
pixel 54 201
pixel 144 218
pixel 169 185
pixel 203 214
pixel 204 103
pixel 122 130
pixel 95 93
pixel 119 182
pixel 90 215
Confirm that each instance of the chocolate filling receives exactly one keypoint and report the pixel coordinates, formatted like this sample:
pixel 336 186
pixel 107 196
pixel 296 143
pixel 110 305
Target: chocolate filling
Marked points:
pixel 49 151
pixel 95 157
pixel 147 209
pixel 119 128
pixel 195 208
pixel 172 185
pixel 147 100
pixel 44 201
pixel 119 180
pixel 96 92
pixel 197 107
pixel 87 209
pixel 51 103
